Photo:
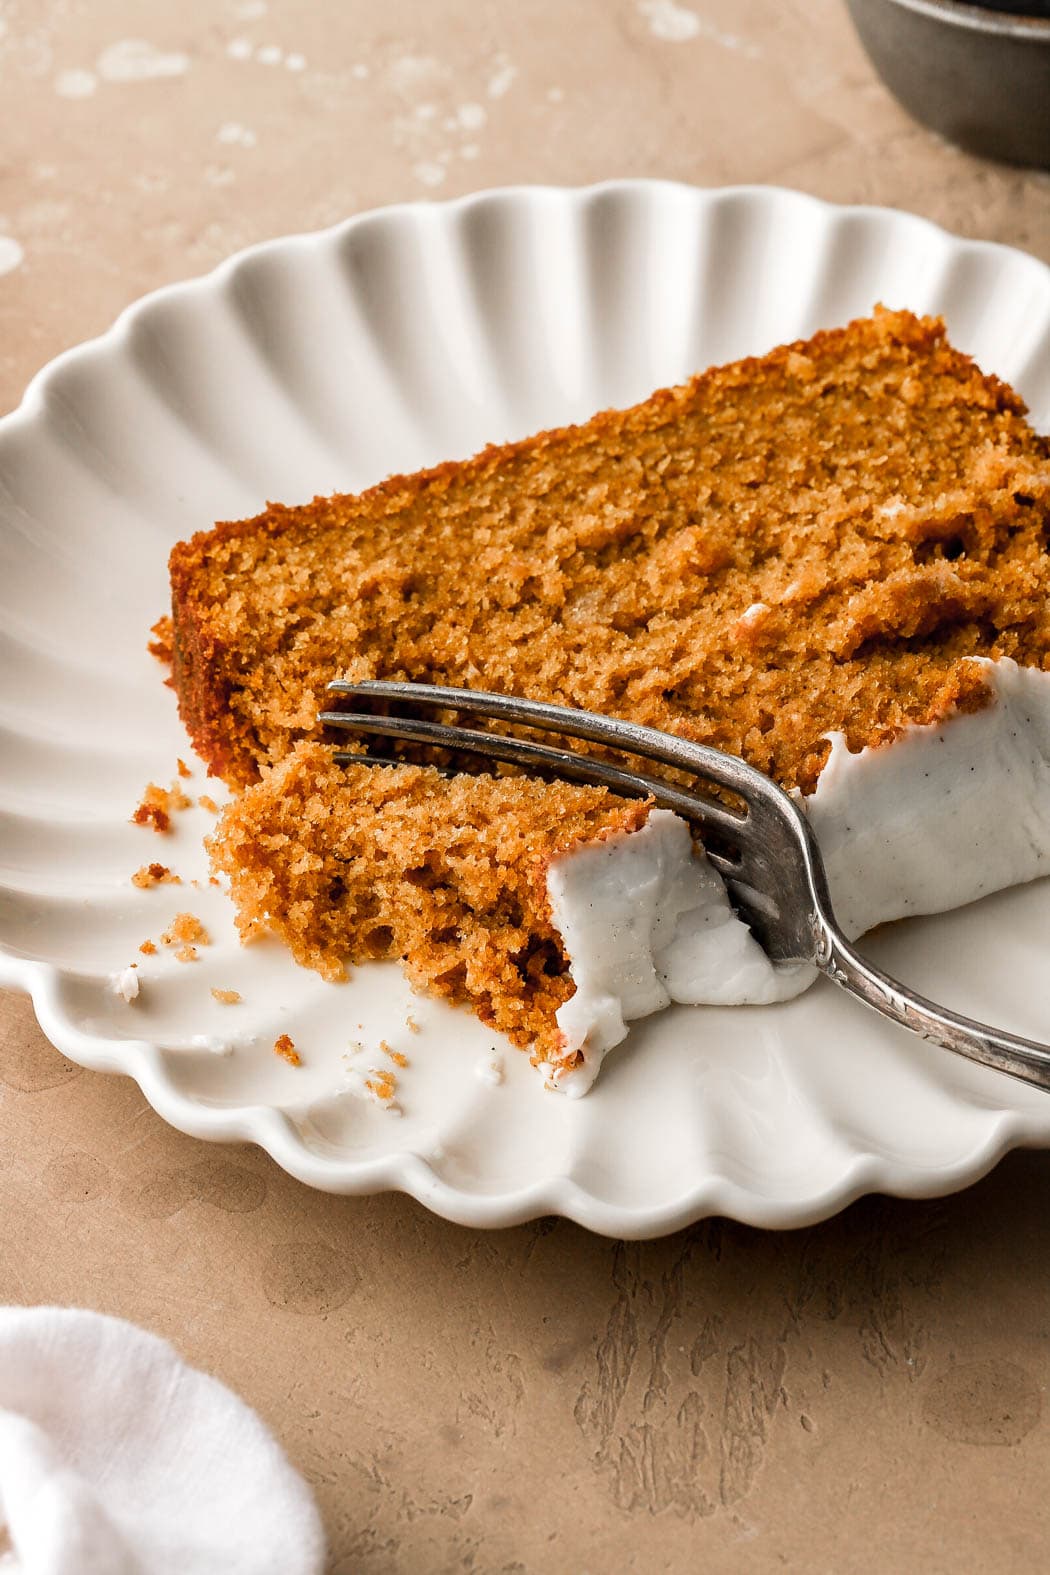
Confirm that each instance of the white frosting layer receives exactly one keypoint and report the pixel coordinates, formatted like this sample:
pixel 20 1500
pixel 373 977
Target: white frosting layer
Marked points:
pixel 944 814
pixel 646 922
pixel 125 984
pixel 937 818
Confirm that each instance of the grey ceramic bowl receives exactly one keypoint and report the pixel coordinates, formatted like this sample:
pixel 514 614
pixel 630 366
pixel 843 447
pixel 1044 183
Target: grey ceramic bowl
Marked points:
pixel 979 74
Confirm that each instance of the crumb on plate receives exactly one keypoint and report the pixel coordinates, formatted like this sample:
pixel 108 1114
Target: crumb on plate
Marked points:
pixel 381 1084
pixel 185 928
pixel 284 1046
pixel 153 810
pixel 155 875
pixel 125 983
pixel 226 997
pixel 163 642
pixel 157 804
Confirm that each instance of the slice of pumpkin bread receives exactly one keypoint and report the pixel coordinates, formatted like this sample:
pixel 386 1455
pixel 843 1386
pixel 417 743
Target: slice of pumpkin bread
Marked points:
pixel 809 542
pixel 812 543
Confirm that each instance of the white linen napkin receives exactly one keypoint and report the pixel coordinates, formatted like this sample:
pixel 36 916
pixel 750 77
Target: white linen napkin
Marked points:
pixel 116 1458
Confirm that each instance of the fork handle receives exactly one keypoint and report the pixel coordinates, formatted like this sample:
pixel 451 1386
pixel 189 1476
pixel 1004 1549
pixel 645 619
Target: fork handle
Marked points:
pixel 1021 1058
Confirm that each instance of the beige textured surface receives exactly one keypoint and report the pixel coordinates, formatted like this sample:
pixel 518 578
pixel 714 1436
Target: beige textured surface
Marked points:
pixel 865 1396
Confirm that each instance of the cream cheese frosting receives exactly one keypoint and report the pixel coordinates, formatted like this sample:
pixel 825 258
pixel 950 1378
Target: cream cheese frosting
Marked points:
pixel 940 816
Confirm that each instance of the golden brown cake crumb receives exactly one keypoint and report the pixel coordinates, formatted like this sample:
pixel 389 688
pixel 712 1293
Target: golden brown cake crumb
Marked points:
pixel 186 954
pixel 155 875
pixel 148 948
pixel 285 1048
pixel 185 927
pixel 161 644
pixel 183 769
pixel 207 802
pixel 381 1084
pixel 158 804
pixel 398 1058
pixel 226 997
pixel 153 809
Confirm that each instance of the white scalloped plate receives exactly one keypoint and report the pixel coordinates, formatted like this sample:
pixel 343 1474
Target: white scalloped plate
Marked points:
pixel 321 363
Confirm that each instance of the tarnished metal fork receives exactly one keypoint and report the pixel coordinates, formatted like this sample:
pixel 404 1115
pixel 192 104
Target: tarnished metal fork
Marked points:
pixel 765 850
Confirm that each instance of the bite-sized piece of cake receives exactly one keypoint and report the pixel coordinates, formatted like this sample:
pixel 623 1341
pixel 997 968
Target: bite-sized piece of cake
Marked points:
pixel 479 885
pixel 806 543
pixel 447 875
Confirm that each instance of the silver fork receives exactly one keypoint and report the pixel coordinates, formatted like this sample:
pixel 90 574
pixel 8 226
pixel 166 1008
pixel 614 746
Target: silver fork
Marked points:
pixel 765 850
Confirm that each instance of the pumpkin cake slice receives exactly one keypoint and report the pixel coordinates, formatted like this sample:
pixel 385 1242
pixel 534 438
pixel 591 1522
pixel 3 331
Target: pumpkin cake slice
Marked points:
pixel 831 560
pixel 785 547
pixel 468 882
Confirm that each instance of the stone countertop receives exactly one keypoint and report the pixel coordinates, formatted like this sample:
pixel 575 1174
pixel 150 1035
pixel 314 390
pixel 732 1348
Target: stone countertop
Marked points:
pixel 865 1395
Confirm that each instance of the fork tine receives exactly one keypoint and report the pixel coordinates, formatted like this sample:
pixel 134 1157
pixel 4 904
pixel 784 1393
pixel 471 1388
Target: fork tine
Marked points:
pixel 698 759
pixel 520 751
